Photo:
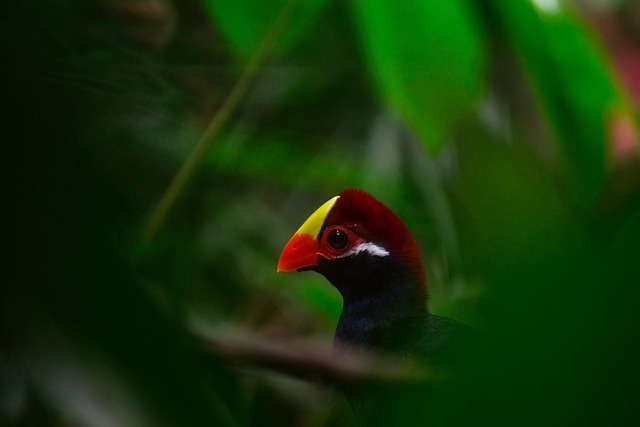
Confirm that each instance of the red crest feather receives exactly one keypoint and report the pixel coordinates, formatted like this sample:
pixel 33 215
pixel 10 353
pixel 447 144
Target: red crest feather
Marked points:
pixel 360 212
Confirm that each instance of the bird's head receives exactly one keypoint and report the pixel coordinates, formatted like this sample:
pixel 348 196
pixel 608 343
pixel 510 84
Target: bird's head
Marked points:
pixel 360 246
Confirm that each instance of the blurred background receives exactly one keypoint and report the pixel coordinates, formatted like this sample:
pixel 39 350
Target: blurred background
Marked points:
pixel 504 134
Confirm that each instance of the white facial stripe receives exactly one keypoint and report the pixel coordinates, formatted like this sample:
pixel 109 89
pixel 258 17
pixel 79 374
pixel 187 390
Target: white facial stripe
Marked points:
pixel 370 248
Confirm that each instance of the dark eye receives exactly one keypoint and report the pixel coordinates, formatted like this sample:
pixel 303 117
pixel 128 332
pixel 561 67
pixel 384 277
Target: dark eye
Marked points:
pixel 337 239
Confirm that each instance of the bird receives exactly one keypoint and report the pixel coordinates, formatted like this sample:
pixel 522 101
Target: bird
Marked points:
pixel 369 255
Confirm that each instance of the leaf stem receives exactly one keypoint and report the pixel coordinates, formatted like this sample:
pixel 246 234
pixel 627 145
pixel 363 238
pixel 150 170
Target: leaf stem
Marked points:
pixel 229 105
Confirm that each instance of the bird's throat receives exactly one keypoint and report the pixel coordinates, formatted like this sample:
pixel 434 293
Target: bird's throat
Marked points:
pixel 376 291
pixel 365 318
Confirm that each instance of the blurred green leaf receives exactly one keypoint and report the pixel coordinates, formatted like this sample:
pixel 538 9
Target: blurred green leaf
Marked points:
pixel 279 159
pixel 320 297
pixel 573 82
pixel 246 23
pixel 426 58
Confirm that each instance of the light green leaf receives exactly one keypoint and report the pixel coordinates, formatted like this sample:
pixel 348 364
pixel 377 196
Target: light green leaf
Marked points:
pixel 426 58
pixel 572 80
pixel 245 24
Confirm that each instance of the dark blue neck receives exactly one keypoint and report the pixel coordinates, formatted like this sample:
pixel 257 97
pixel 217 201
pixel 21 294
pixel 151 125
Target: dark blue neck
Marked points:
pixel 366 316
pixel 376 292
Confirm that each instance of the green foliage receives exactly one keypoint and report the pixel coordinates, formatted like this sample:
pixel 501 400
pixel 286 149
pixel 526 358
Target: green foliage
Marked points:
pixel 489 127
pixel 246 24
pixel 410 47
pixel 573 85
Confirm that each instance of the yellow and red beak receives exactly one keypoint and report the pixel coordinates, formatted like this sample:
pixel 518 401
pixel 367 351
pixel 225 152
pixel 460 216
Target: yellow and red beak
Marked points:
pixel 302 249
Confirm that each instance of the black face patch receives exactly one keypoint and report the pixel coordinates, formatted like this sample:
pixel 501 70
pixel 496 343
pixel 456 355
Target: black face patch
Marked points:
pixel 360 273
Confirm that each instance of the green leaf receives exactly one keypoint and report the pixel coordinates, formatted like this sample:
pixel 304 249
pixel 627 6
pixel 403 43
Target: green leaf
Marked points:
pixel 574 85
pixel 245 24
pixel 320 297
pixel 426 58
pixel 278 159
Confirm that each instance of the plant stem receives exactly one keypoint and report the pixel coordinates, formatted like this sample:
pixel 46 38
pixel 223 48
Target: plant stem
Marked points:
pixel 231 102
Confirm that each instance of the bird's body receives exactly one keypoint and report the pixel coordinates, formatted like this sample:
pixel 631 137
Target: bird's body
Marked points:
pixel 369 255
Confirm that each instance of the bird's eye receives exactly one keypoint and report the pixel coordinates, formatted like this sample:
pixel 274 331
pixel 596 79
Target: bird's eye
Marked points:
pixel 337 239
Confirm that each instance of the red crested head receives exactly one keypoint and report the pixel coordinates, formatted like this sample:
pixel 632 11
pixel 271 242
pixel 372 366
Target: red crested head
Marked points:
pixel 360 245
pixel 361 213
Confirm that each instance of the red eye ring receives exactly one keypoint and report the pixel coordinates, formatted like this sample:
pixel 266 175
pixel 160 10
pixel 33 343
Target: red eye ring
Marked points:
pixel 337 238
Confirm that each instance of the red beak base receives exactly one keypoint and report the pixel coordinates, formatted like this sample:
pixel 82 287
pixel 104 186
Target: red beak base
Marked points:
pixel 301 251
